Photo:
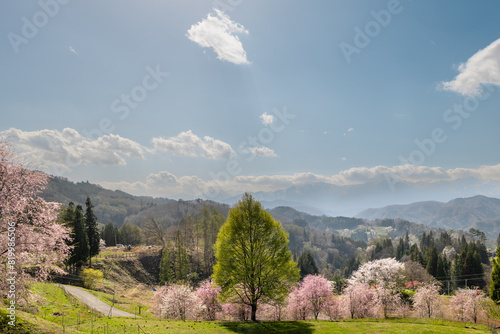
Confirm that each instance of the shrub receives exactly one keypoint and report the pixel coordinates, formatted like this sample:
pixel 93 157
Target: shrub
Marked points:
pixel 91 278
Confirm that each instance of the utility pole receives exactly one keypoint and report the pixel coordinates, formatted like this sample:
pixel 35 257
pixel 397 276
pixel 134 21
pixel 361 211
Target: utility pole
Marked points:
pixel 110 314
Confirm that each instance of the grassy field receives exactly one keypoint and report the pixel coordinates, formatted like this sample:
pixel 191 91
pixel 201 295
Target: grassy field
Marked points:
pixel 36 324
pixel 53 312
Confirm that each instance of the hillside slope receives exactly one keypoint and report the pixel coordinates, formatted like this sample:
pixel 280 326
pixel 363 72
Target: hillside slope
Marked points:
pixel 462 213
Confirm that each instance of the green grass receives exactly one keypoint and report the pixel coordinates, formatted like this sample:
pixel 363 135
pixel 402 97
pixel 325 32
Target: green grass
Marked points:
pixel 155 326
pixel 122 303
pixel 54 308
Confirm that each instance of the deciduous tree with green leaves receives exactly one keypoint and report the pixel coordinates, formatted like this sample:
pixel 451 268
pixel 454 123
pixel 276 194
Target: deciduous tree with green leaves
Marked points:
pixel 252 258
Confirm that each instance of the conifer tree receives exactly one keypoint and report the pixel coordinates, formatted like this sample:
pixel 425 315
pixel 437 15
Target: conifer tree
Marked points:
pixel 80 243
pixel 92 231
pixel 306 264
pixel 495 277
pixel 165 265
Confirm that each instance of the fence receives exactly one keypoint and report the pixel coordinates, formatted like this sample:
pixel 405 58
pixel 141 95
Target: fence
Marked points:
pixel 125 255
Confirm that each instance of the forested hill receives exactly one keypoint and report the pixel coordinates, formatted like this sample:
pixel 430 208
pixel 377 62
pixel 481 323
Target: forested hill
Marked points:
pixel 479 212
pixel 355 228
pixel 109 205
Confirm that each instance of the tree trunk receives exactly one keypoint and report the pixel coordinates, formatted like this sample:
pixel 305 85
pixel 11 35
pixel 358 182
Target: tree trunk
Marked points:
pixel 254 311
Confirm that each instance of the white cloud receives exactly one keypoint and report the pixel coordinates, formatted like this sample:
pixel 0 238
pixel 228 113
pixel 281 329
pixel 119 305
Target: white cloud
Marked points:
pixel 218 32
pixel 72 50
pixel 348 131
pixel 166 184
pixel 481 69
pixel 267 118
pixel 187 144
pixel 55 150
pixel 263 152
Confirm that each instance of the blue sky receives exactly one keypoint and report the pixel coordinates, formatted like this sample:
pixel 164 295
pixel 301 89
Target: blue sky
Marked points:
pixel 164 97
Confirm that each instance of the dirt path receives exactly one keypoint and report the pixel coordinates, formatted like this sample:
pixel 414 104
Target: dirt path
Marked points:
pixel 94 302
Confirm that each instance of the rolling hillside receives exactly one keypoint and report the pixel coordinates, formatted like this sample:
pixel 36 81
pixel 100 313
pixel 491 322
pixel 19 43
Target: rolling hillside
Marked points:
pixel 462 213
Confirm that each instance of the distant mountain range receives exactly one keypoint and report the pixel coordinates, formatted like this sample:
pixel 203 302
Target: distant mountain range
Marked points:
pixel 348 200
pixel 479 212
pixel 116 206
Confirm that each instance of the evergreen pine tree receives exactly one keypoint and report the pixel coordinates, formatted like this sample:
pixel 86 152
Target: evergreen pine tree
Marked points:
pixel 165 265
pixel 431 258
pixel 80 251
pixel 181 258
pixel 306 264
pixel 495 277
pixel 92 230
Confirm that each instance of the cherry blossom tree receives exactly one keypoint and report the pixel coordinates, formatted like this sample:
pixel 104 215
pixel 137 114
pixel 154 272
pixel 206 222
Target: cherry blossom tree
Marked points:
pixel 468 304
pixel 426 300
pixel 384 272
pixel 387 300
pixel 177 301
pixel 309 296
pixel 274 309
pixel 333 308
pixel 235 311
pixel 316 290
pixel 387 275
pixel 30 237
pixel 207 293
pixel 358 300
pixel 298 305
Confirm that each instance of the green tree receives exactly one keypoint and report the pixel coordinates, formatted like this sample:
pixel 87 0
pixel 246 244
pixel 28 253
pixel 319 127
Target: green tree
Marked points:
pixel 495 277
pixel 108 235
pixel 130 234
pixel 80 243
pixel 252 257
pixel 92 230
pixel 181 266
pixel 431 259
pixel 307 265
pixel 165 265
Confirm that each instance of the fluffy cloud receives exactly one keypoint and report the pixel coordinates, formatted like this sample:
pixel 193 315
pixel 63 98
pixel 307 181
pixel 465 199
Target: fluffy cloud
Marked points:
pixel 263 152
pixel 217 31
pixel 481 69
pixel 56 150
pixel 169 185
pixel 188 144
pixel 267 118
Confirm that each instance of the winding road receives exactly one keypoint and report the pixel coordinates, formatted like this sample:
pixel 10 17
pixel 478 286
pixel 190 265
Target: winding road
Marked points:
pixel 94 302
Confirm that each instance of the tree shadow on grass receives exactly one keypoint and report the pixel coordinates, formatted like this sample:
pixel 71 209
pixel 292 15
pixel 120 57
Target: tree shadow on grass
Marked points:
pixel 288 327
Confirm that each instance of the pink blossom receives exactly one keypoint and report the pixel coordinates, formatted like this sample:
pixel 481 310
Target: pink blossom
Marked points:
pixel 207 293
pixel 426 300
pixel 358 300
pixel 468 304
pixel 177 301
pixel 39 239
